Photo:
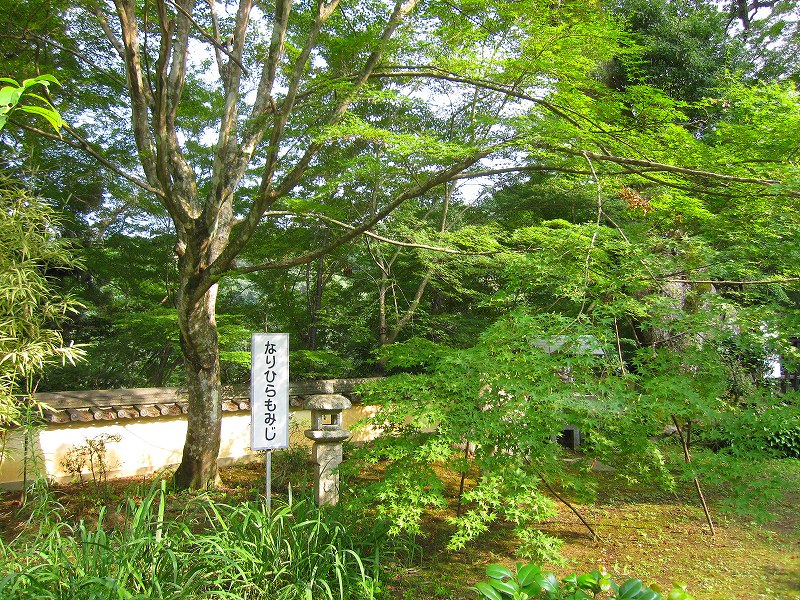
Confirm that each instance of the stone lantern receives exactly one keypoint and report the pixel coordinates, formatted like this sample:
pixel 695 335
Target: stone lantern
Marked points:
pixel 327 433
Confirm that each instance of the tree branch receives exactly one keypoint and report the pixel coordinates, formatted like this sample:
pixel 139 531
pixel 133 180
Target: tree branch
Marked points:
pixel 110 36
pixel 215 33
pixel 140 95
pixel 655 166
pixel 82 144
pixel 688 459
pixel 171 165
pixel 180 53
pixel 216 272
pixel 726 282
pixel 227 168
pixel 572 508
pixel 381 238
pixel 280 25
pixel 209 37
pixel 401 322
pixel 482 83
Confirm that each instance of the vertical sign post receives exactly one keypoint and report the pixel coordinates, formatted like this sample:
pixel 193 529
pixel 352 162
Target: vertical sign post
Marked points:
pixel 269 397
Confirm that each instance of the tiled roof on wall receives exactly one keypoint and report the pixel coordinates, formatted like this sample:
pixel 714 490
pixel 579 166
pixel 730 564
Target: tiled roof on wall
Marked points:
pixel 138 403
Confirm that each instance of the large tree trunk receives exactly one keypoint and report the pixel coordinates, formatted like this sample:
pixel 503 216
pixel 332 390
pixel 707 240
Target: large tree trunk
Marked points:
pixel 200 342
pixel 196 306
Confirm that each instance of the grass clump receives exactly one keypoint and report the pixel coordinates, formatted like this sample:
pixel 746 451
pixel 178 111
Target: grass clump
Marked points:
pixel 167 548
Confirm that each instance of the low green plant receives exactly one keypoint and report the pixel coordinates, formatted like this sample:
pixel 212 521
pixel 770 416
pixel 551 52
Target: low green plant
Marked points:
pixel 167 547
pixel 295 551
pixel 292 466
pixel 531 582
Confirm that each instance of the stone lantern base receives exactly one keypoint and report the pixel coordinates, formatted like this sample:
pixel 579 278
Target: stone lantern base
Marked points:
pixel 328 438
pixel 327 457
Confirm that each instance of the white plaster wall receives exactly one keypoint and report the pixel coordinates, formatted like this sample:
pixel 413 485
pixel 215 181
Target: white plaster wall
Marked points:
pixel 146 445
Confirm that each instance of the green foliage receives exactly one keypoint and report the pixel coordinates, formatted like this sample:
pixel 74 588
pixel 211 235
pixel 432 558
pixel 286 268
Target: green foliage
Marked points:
pixel 303 364
pixel 31 251
pixel 127 322
pixel 408 488
pixel 537 546
pixel 771 38
pixel 508 398
pixel 131 272
pixel 786 439
pixel 412 353
pixel 311 364
pixel 125 349
pixel 529 375
pixel 684 47
pixel 12 94
pixel 529 582
pixel 235 366
pixel 195 549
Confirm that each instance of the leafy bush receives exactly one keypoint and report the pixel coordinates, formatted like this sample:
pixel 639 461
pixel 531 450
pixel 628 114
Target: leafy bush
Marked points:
pixel 507 398
pixel 786 439
pixel 531 582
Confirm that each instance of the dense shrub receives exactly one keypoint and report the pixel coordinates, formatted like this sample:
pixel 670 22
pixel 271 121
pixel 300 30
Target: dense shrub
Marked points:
pixel 786 440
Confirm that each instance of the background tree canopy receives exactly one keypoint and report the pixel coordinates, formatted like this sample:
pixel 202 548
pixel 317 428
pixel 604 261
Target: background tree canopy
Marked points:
pixel 483 176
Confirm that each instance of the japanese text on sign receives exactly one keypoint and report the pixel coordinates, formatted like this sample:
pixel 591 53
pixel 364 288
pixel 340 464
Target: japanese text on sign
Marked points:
pixel 269 391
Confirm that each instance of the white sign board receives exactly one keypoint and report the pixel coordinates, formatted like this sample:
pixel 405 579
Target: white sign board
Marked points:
pixel 269 391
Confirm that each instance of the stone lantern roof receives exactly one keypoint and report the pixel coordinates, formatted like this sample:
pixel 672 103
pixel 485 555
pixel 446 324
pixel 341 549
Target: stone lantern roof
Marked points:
pixel 327 403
